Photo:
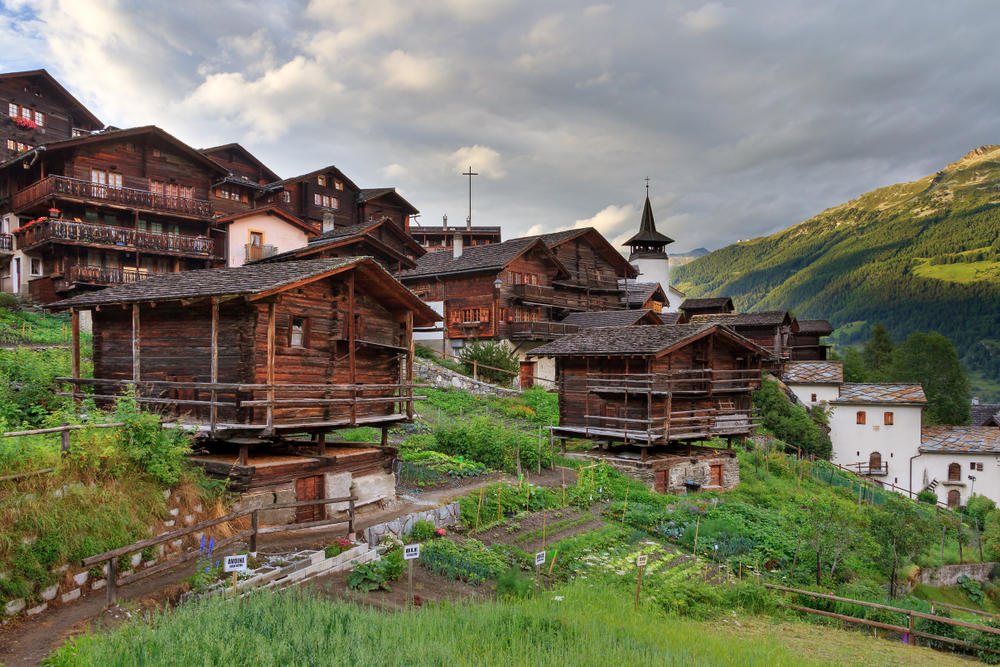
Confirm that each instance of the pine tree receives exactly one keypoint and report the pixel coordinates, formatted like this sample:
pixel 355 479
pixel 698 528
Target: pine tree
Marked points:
pixel 877 352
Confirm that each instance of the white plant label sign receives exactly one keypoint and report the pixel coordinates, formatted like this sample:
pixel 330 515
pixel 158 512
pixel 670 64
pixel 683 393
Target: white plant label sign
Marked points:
pixel 236 563
pixel 540 558
pixel 411 552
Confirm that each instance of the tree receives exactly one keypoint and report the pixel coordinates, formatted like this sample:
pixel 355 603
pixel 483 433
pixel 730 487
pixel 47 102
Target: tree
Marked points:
pixel 900 533
pixel 877 352
pixel 931 360
pixel 791 423
pixel 487 353
pixel 854 364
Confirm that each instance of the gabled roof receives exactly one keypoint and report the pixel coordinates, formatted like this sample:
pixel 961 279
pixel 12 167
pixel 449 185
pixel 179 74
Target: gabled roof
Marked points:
pixel 636 294
pixel 612 318
pixel 985 414
pixel 311 174
pixel 270 175
pixel 960 440
pixel 647 234
pixel 813 372
pixel 492 257
pixel 768 318
pixel 367 228
pixel 722 303
pixel 886 393
pixel 670 318
pixel 815 327
pixel 252 280
pixel 597 241
pixel 642 340
pixel 121 135
pixel 370 246
pixel 368 194
pixel 95 122
pixel 267 210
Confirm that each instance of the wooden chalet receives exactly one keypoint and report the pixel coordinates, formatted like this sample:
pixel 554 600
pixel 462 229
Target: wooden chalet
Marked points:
pixel 37 110
pixel 707 306
pixel 247 184
pixel 773 330
pixel 613 318
pixel 806 343
pixel 655 385
pixel 325 198
pixel 263 351
pixel 110 208
pixel 650 296
pixel 376 204
pixel 381 239
pixel 596 269
pixel 437 239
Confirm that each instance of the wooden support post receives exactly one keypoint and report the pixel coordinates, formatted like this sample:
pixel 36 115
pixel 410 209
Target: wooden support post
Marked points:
pixel 254 524
pixel 75 314
pixel 135 343
pixel 321 443
pixel 409 364
pixel 215 362
pixel 112 597
pixel 385 436
pixel 350 518
pixel 270 369
pixel 244 454
pixel 64 441
pixel 351 358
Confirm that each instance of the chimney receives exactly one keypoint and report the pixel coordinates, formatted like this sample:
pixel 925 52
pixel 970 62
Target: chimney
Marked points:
pixel 468 222
pixel 457 244
pixel 329 222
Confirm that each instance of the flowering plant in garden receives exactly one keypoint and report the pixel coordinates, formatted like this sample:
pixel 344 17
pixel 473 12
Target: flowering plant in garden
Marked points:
pixel 339 546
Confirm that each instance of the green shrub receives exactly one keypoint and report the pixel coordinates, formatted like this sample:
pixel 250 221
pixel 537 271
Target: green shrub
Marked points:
pixel 978 508
pixel 790 422
pixel 514 584
pixel 491 353
pixel 422 530
pixel 927 496
pixel 479 438
pixel 471 562
pixel 159 452
pixel 8 300
pixel 378 574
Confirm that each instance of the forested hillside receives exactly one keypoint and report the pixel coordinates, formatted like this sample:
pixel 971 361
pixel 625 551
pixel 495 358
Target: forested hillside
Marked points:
pixel 916 256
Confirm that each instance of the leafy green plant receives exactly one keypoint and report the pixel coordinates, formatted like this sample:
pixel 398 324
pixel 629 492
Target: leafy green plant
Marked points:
pixel 491 353
pixel 927 496
pixel 972 588
pixel 339 546
pixel 514 584
pixel 471 562
pixel 422 530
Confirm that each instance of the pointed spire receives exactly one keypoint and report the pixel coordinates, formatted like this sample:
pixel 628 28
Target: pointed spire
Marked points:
pixel 648 238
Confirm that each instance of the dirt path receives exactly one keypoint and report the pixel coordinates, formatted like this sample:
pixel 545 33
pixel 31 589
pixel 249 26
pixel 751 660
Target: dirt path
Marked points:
pixel 29 640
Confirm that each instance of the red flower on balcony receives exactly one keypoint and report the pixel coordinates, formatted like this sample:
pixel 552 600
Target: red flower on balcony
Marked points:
pixel 25 123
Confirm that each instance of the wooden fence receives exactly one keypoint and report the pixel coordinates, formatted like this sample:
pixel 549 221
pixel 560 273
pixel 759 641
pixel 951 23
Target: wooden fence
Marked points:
pixel 251 534
pixel 909 631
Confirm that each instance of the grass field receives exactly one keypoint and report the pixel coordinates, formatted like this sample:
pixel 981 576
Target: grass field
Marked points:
pixel 959 272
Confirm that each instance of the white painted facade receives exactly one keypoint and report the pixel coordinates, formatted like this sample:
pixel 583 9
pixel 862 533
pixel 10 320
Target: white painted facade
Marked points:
pixel 895 443
pixel 432 337
pixel 653 270
pixel 814 394
pixel 274 231
pixel 931 466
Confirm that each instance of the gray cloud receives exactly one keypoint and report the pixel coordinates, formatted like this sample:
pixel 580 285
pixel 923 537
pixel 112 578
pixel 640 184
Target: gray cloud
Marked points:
pixel 747 116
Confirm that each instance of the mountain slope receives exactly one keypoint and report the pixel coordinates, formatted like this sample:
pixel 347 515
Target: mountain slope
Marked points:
pixel 923 255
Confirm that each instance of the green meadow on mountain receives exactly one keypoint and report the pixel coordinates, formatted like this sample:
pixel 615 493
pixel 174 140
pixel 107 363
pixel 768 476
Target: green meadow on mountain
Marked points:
pixel 921 256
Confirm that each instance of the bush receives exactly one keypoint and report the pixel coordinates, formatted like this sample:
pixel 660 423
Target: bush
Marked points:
pixel 927 496
pixel 491 353
pixel 479 438
pixel 8 301
pixel 422 530
pixel 514 584
pixel 159 452
pixel 978 508
pixel 789 422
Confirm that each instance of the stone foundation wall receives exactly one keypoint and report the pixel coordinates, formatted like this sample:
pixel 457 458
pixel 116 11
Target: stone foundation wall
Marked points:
pixel 442 378
pixel 948 575
pixel 672 478
pixel 446 515
pixel 371 490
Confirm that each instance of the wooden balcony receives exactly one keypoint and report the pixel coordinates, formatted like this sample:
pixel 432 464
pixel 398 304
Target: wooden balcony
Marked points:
pixel 592 284
pixel 865 468
pixel 542 295
pixel 62 187
pixel 109 236
pixel 539 330
pixel 688 425
pixel 98 276
pixel 6 243
pixel 687 382
pixel 255 252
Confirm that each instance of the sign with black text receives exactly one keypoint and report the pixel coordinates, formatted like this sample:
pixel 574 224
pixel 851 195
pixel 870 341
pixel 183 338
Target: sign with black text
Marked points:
pixel 642 560
pixel 540 558
pixel 411 552
pixel 236 563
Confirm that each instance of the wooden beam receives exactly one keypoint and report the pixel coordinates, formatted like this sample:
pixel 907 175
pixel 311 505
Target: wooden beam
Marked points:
pixel 269 362
pixel 75 333
pixel 409 364
pixel 351 334
pixel 135 342
pixel 215 360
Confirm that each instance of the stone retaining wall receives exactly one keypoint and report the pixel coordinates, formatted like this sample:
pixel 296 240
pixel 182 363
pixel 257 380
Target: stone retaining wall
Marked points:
pixel 442 378
pixel 446 515
pixel 948 575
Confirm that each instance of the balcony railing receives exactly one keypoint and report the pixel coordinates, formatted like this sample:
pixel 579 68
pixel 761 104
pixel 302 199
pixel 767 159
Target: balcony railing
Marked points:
pixel 563 298
pixel 694 381
pixel 103 276
pixel 54 186
pixel 539 330
pixel 255 252
pixel 866 468
pixel 6 243
pixel 109 235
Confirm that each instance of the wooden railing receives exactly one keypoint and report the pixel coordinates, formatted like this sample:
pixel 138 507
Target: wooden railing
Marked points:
pixel 909 631
pixel 255 252
pixel 679 425
pixel 549 296
pixel 866 468
pixel 109 235
pixel 54 186
pixel 539 330
pixel 6 242
pixel 111 557
pixel 99 275
pixel 695 381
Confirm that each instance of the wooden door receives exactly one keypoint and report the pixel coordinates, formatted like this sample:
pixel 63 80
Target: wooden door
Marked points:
pixel 874 462
pixel 954 498
pixel 309 488
pixel 527 374
pixel 715 474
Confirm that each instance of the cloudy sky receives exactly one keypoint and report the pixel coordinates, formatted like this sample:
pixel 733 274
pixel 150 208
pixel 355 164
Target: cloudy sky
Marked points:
pixel 747 116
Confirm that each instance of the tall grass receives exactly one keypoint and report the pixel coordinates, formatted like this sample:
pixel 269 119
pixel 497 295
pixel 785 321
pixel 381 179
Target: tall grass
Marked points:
pixel 590 625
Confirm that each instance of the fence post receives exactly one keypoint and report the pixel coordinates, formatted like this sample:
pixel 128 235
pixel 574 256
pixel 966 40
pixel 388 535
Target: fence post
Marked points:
pixel 912 640
pixel 475 369
pixel 350 517
pixel 112 582
pixel 253 537
pixel 64 439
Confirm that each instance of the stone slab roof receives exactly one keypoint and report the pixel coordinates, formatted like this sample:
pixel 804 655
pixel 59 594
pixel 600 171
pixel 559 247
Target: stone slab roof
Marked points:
pixel 635 340
pixel 852 393
pixel 815 327
pixel 985 413
pixel 476 258
pixel 960 439
pixel 767 318
pixel 813 372
pixel 670 318
pixel 609 318
pixel 700 304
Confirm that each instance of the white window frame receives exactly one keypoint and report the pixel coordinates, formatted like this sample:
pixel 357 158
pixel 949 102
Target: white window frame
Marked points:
pixel 31 267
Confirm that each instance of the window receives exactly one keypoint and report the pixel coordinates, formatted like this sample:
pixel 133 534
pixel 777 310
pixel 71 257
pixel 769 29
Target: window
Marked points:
pixel 321 180
pixel 25 113
pixel 887 418
pixel 222 192
pixel 11 109
pixel 337 185
pixel 954 472
pixel 812 398
pixel 11 145
pixel 326 201
pixel 39 119
pixel 35 266
pixel 115 180
pixel 975 466
pixel 98 176
pixel 298 332
pixel 77 132
pixel 861 416
pixel 256 239
pixel 286 197
pixel 24 147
